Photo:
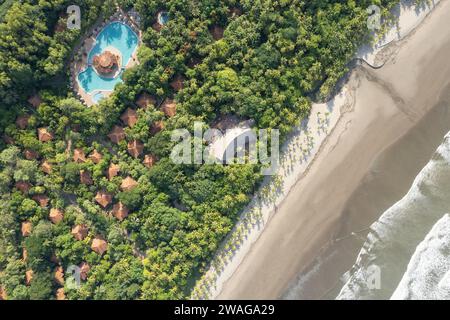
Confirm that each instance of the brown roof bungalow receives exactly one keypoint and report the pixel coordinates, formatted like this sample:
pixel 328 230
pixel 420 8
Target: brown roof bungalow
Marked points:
pixel 128 184
pixel 35 100
pixel 120 211
pixel 79 156
pixel 178 83
pixel 103 198
pixel 135 148
pixel 217 32
pixel 150 160
pixel 144 100
pixel 27 227
pixel 79 232
pixel 44 135
pixel 113 171
pixel 85 177
pixel 129 117
pixel 23 186
pixel 117 134
pixel 30 154
pixel 3 295
pixel 169 107
pixel 41 199
pixel 96 157
pixel 84 270
pixel 60 295
pixel 59 276
pixel 56 215
pixel 99 245
pixel 46 167
pixel 156 127
pixel 22 121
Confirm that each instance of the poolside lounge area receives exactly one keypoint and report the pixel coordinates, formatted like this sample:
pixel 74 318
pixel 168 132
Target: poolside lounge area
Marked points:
pixel 106 52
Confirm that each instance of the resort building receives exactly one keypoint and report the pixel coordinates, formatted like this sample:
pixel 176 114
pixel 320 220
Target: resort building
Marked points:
pixel 145 100
pixel 79 232
pixel 113 171
pixel 26 228
pixel 99 245
pixel 128 184
pixel 103 198
pixel 120 211
pixel 117 134
pixel 169 107
pixel 79 156
pixel 56 215
pixel 135 148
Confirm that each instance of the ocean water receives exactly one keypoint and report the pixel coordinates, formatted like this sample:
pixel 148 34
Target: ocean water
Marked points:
pixel 409 244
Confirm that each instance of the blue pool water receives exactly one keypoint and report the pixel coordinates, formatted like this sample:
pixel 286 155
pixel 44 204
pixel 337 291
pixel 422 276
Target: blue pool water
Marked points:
pixel 163 18
pixel 119 36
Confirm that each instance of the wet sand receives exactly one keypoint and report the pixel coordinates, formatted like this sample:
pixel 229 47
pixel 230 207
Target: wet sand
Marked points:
pixel 368 163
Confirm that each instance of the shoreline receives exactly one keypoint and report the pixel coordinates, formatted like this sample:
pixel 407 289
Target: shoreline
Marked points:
pixel 231 284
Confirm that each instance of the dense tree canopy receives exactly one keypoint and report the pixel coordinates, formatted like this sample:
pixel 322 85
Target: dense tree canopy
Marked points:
pixel 273 58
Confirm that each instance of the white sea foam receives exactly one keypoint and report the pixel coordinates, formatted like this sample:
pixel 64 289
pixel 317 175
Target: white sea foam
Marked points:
pixel 393 239
pixel 428 273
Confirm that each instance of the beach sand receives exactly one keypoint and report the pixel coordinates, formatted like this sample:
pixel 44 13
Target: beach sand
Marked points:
pixel 367 163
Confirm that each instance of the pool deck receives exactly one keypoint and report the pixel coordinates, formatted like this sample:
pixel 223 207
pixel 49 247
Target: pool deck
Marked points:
pixel 79 65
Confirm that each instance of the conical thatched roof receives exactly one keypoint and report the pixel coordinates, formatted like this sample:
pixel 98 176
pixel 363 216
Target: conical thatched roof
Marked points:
pixel 59 276
pixel 41 199
pixel 56 215
pixel 29 276
pixel 60 295
pixel 177 83
pixel 35 100
pixel 84 270
pixel 79 232
pixel 85 177
pixel 169 107
pixel 117 134
pixel 217 32
pixel 156 127
pixel 30 154
pixel 128 184
pixel 144 100
pixel 113 171
pixel 135 148
pixel 96 157
pixel 150 160
pixel 103 198
pixel 106 63
pixel 129 117
pixel 99 245
pixel 3 295
pixel 23 186
pixel 79 156
pixel 27 227
pixel 120 211
pixel 22 121
pixel 46 167
pixel 44 135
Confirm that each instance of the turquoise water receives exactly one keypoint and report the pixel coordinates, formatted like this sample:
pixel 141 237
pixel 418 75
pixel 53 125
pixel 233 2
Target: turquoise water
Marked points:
pixel 97 97
pixel 163 18
pixel 119 36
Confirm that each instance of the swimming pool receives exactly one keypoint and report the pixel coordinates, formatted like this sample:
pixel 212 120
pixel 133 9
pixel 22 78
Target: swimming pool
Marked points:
pixel 119 36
